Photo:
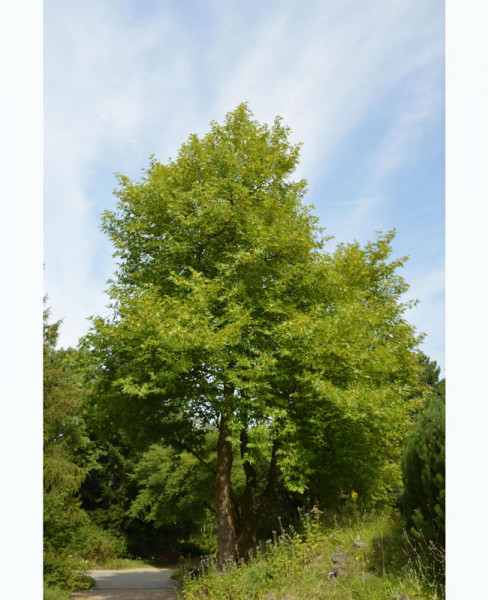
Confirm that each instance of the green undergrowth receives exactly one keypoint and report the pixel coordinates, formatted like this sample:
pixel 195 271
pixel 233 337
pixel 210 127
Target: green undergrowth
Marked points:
pixel 373 558
pixel 55 593
pixel 115 563
pixel 126 563
pixel 64 573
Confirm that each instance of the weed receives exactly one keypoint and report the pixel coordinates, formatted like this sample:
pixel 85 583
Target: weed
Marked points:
pixel 360 557
pixel 55 593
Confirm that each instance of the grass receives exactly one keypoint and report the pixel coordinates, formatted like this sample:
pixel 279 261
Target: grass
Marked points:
pixel 55 593
pixel 374 564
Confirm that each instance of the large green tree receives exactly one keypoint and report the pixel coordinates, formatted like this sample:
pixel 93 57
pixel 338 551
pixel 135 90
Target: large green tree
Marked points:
pixel 229 313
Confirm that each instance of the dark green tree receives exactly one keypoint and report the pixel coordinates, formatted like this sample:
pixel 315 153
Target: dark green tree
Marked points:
pixel 108 489
pixel 67 457
pixel 175 492
pixel 423 501
pixel 228 313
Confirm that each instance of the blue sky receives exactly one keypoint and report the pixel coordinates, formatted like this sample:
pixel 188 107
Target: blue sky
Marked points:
pixel 360 83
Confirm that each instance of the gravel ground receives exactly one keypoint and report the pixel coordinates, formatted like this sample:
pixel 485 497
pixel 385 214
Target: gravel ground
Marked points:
pixel 130 584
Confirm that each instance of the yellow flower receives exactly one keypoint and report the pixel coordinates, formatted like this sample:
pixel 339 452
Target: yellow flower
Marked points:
pixel 356 558
pixel 354 495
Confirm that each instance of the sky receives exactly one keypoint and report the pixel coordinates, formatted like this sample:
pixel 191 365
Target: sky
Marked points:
pixel 360 83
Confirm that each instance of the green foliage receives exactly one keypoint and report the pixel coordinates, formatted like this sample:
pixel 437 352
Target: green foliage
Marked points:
pixel 424 474
pixel 66 442
pixel 226 303
pixel 175 490
pixel 423 502
pixel 59 572
pixel 55 593
pixel 430 372
pixel 228 224
pixel 67 457
pixel 101 546
pixel 108 489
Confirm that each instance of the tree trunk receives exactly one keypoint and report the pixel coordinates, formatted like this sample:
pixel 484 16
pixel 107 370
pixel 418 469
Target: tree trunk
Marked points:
pixel 247 537
pixel 226 531
pixel 248 521
pixel 250 511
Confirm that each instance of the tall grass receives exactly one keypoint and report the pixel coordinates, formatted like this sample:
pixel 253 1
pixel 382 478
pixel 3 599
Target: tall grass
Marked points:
pixel 357 557
pixel 55 593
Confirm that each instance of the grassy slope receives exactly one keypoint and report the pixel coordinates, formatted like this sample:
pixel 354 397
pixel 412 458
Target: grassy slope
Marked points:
pixel 378 566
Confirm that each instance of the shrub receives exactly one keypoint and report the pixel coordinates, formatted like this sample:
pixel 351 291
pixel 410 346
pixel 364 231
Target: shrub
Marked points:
pixel 59 573
pixel 101 546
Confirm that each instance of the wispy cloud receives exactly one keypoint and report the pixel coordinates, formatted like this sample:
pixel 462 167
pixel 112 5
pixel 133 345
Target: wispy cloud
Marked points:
pixel 126 80
pixel 425 100
pixel 428 315
pixel 358 218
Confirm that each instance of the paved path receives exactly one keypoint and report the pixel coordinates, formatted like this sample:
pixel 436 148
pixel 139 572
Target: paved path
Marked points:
pixel 131 584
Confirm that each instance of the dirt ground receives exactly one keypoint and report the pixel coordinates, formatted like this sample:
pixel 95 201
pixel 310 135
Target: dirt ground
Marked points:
pixel 130 584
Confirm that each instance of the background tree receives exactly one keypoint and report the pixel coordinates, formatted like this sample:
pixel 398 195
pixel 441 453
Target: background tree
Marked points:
pixel 67 457
pixel 228 313
pixel 423 501
pixel 108 489
pixel 175 493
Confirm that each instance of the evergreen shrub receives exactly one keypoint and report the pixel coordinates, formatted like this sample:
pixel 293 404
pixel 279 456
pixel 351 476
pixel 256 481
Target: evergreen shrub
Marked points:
pixel 423 501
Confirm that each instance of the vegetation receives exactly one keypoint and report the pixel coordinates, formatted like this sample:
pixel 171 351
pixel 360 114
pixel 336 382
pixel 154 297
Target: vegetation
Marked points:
pixel 246 374
pixel 65 462
pixel 361 557
pixel 423 500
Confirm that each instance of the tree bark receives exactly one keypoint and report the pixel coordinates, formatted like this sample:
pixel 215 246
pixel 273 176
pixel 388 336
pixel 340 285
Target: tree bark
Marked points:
pixel 250 511
pixel 226 530
pixel 248 522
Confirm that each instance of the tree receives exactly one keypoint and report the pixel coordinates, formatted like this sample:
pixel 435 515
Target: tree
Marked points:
pixel 228 313
pixel 67 457
pixel 423 501
pixel 174 492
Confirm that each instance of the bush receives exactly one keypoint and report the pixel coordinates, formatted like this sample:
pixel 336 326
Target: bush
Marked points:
pixel 101 546
pixel 59 574
pixel 57 570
